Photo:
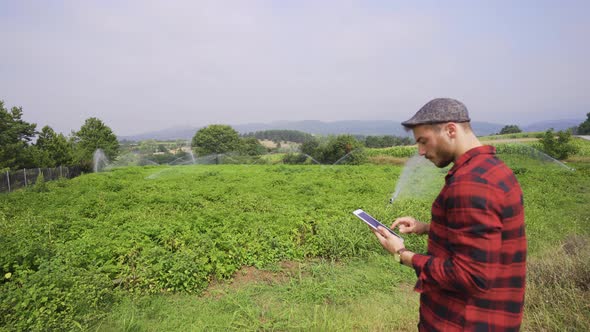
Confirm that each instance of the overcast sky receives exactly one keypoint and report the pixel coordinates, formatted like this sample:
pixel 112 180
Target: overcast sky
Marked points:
pixel 147 65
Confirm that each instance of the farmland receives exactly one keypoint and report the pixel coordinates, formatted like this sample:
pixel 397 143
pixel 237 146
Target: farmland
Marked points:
pixel 157 248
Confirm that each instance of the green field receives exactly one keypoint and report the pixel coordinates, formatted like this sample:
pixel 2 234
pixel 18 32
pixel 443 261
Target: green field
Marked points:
pixel 271 247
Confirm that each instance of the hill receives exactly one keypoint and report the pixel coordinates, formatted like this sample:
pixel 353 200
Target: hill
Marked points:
pixel 555 124
pixel 354 127
pixel 308 126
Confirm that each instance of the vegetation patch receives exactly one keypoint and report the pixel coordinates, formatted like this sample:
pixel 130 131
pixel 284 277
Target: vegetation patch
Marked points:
pixel 127 248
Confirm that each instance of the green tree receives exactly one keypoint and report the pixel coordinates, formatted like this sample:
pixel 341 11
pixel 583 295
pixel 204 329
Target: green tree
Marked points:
pixel 216 139
pixel 15 135
pixel 93 135
pixel 311 147
pixel 251 146
pixel 510 129
pixel 339 146
pixel 386 141
pixel 149 146
pixel 281 135
pixel 55 147
pixel 162 148
pixel 331 149
pixel 559 148
pixel 584 127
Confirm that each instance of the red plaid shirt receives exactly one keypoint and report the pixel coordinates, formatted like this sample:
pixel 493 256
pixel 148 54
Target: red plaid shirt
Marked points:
pixel 473 276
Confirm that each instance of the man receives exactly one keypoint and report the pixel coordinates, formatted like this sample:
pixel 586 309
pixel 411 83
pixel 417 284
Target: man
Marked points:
pixel 473 275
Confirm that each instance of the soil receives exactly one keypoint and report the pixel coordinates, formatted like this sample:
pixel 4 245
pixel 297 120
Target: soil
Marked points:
pixel 248 275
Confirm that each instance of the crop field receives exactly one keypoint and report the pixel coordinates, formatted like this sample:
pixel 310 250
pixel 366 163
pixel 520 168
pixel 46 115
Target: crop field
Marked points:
pixel 252 247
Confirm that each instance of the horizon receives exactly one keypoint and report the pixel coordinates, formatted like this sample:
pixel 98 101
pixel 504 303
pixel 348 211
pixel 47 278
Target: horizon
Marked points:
pixel 141 67
pixel 393 130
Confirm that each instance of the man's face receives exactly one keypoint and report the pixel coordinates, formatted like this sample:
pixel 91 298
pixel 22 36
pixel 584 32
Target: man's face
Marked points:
pixel 434 144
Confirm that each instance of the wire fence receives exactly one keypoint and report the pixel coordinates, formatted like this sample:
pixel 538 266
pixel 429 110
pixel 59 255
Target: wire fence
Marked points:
pixel 11 181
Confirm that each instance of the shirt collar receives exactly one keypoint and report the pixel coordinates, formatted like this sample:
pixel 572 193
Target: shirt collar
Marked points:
pixel 467 156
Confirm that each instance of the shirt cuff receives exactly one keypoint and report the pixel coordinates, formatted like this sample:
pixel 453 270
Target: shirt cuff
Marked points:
pixel 418 262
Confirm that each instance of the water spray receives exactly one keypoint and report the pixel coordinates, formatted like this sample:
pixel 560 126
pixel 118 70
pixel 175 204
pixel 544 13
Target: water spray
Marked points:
pixel 419 177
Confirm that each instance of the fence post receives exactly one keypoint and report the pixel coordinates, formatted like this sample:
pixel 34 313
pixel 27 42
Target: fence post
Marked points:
pixel 25 171
pixel 8 180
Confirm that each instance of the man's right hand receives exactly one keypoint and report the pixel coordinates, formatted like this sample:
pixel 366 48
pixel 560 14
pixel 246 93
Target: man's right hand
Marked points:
pixel 408 225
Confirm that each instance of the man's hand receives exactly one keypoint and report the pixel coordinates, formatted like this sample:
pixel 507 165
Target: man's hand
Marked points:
pixel 389 241
pixel 408 225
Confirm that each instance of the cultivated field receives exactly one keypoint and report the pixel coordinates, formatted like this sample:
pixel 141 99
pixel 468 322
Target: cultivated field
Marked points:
pixel 238 247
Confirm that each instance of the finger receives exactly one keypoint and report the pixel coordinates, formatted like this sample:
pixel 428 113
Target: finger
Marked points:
pixel 397 222
pixel 404 229
pixel 402 220
pixel 384 232
pixel 378 235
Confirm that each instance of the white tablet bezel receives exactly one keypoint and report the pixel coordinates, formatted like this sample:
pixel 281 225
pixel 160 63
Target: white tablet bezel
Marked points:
pixel 372 222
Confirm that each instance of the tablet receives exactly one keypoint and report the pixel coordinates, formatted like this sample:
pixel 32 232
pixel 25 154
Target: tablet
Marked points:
pixel 373 222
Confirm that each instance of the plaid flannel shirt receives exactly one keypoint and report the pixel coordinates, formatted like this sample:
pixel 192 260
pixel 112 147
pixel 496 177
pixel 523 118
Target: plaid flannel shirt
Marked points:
pixel 473 276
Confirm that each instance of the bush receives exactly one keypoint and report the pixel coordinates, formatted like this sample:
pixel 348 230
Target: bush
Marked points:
pixel 295 158
pixel 40 185
pixel 396 152
pixel 510 129
pixel 560 148
pixel 342 149
pixel 56 297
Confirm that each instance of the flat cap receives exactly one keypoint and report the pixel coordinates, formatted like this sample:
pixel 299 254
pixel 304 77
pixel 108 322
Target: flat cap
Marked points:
pixel 439 110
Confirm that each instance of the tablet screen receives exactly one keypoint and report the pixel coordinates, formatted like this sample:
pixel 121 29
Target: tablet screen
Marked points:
pixel 372 221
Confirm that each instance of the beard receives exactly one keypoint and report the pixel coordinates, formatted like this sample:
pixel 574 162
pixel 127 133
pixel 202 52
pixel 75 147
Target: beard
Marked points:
pixel 441 159
pixel 442 163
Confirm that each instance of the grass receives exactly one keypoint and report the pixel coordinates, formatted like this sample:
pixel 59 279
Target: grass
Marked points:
pixel 317 268
pixel 558 291
pixel 317 296
pixel 375 294
pixel 533 134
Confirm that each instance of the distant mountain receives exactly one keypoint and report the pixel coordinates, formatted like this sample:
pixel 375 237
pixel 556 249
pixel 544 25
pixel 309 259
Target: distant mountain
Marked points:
pixel 331 128
pixel 170 134
pixel 384 127
pixel 557 125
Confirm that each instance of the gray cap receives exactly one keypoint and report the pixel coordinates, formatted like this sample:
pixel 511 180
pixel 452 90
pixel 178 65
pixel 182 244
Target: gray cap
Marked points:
pixel 439 110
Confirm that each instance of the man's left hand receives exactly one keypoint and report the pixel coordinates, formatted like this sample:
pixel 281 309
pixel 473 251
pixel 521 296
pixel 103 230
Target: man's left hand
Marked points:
pixel 389 241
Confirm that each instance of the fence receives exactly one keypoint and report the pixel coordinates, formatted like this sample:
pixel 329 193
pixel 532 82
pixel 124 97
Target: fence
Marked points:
pixel 10 181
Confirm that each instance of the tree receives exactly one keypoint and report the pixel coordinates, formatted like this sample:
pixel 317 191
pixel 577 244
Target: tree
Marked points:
pixel 15 135
pixel 386 141
pixel 332 149
pixel 339 146
pixel 311 147
pixel 216 139
pixel 55 147
pixel 510 129
pixel 560 148
pixel 281 135
pixel 584 127
pixel 251 146
pixel 149 146
pixel 94 135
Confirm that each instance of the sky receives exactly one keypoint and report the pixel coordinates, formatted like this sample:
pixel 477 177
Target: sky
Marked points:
pixel 143 65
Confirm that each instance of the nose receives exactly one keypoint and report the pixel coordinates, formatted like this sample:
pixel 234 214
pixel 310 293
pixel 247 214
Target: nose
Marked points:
pixel 421 150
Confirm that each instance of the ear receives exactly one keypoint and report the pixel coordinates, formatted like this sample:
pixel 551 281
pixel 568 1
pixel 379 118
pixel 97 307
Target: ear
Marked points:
pixel 451 129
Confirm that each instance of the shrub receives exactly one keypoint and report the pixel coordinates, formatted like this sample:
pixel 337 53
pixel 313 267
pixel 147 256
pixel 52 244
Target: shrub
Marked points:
pixel 40 185
pixel 560 148
pixel 56 297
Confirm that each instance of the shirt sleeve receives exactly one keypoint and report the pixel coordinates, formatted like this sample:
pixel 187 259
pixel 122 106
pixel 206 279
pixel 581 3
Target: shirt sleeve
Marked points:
pixel 474 237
